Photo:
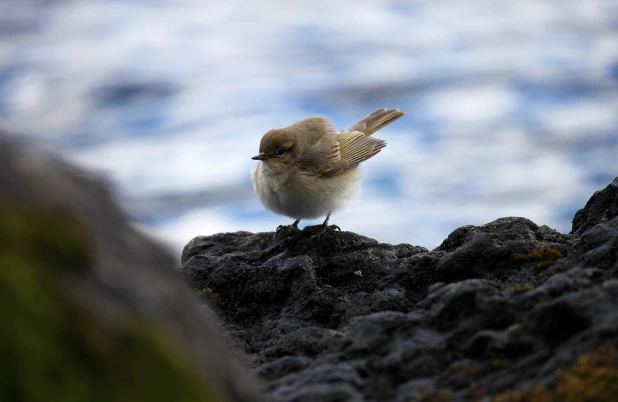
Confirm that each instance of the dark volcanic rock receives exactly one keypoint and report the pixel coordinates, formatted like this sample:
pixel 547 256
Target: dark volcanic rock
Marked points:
pixel 499 307
pixel 602 207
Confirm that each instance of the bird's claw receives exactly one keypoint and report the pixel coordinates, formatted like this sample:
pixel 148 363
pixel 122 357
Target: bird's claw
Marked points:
pixel 323 230
pixel 282 228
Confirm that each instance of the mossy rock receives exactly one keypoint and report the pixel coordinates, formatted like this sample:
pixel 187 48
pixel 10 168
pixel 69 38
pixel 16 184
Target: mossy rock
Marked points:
pixel 55 350
pixel 544 257
pixel 593 377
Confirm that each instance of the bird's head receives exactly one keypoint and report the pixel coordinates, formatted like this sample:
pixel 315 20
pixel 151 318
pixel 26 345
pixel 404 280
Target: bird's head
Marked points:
pixel 276 148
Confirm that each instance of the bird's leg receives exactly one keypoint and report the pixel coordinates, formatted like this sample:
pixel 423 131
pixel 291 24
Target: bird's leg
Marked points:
pixel 293 226
pixel 325 226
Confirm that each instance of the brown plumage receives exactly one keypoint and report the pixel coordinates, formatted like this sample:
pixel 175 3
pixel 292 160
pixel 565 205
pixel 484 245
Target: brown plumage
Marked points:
pixel 308 169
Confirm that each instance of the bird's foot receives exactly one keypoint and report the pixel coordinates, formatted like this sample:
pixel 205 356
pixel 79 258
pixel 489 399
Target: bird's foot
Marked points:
pixel 325 228
pixel 286 230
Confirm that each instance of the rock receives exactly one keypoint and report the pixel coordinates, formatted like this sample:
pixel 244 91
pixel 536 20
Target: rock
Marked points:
pixel 282 367
pixel 556 321
pixel 92 309
pixel 478 251
pixel 422 389
pixel 503 308
pixel 473 303
pixel 602 207
pixel 320 382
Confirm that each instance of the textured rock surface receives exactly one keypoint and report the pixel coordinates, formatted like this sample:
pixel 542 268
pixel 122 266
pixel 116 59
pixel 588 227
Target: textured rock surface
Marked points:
pixel 91 309
pixel 602 207
pixel 497 309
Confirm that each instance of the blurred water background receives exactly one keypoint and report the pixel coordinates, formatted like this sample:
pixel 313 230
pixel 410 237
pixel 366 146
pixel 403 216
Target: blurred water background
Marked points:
pixel 512 107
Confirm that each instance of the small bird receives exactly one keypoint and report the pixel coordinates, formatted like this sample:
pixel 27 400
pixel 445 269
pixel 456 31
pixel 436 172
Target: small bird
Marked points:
pixel 310 169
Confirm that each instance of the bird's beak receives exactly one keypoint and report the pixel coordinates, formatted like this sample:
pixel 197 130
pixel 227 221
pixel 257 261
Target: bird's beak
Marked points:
pixel 260 157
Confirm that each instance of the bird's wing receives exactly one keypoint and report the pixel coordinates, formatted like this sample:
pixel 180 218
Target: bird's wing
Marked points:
pixel 334 154
pixel 322 159
pixel 376 120
pixel 356 147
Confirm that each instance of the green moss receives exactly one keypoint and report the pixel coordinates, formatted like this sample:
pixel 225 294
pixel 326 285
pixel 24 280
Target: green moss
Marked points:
pixel 498 362
pixel 34 235
pixel 519 288
pixel 53 350
pixel 591 378
pixel 545 257
pixel 209 295
pixel 431 395
pixel 538 394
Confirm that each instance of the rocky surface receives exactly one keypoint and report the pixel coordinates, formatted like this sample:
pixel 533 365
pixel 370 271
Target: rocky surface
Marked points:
pixel 92 310
pixel 507 311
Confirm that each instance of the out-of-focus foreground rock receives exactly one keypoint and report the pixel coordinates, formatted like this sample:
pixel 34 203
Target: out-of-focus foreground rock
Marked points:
pixel 508 311
pixel 92 310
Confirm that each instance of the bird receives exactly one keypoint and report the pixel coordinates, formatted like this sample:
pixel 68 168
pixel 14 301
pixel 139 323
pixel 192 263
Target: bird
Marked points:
pixel 309 169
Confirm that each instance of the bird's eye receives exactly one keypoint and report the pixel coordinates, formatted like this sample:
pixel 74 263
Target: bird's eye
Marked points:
pixel 281 152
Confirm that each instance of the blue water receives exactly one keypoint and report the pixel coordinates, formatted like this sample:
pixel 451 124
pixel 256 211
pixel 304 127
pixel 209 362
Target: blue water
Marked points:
pixel 512 108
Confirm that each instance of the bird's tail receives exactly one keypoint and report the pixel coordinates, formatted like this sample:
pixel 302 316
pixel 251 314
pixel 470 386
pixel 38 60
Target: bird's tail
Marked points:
pixel 376 120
